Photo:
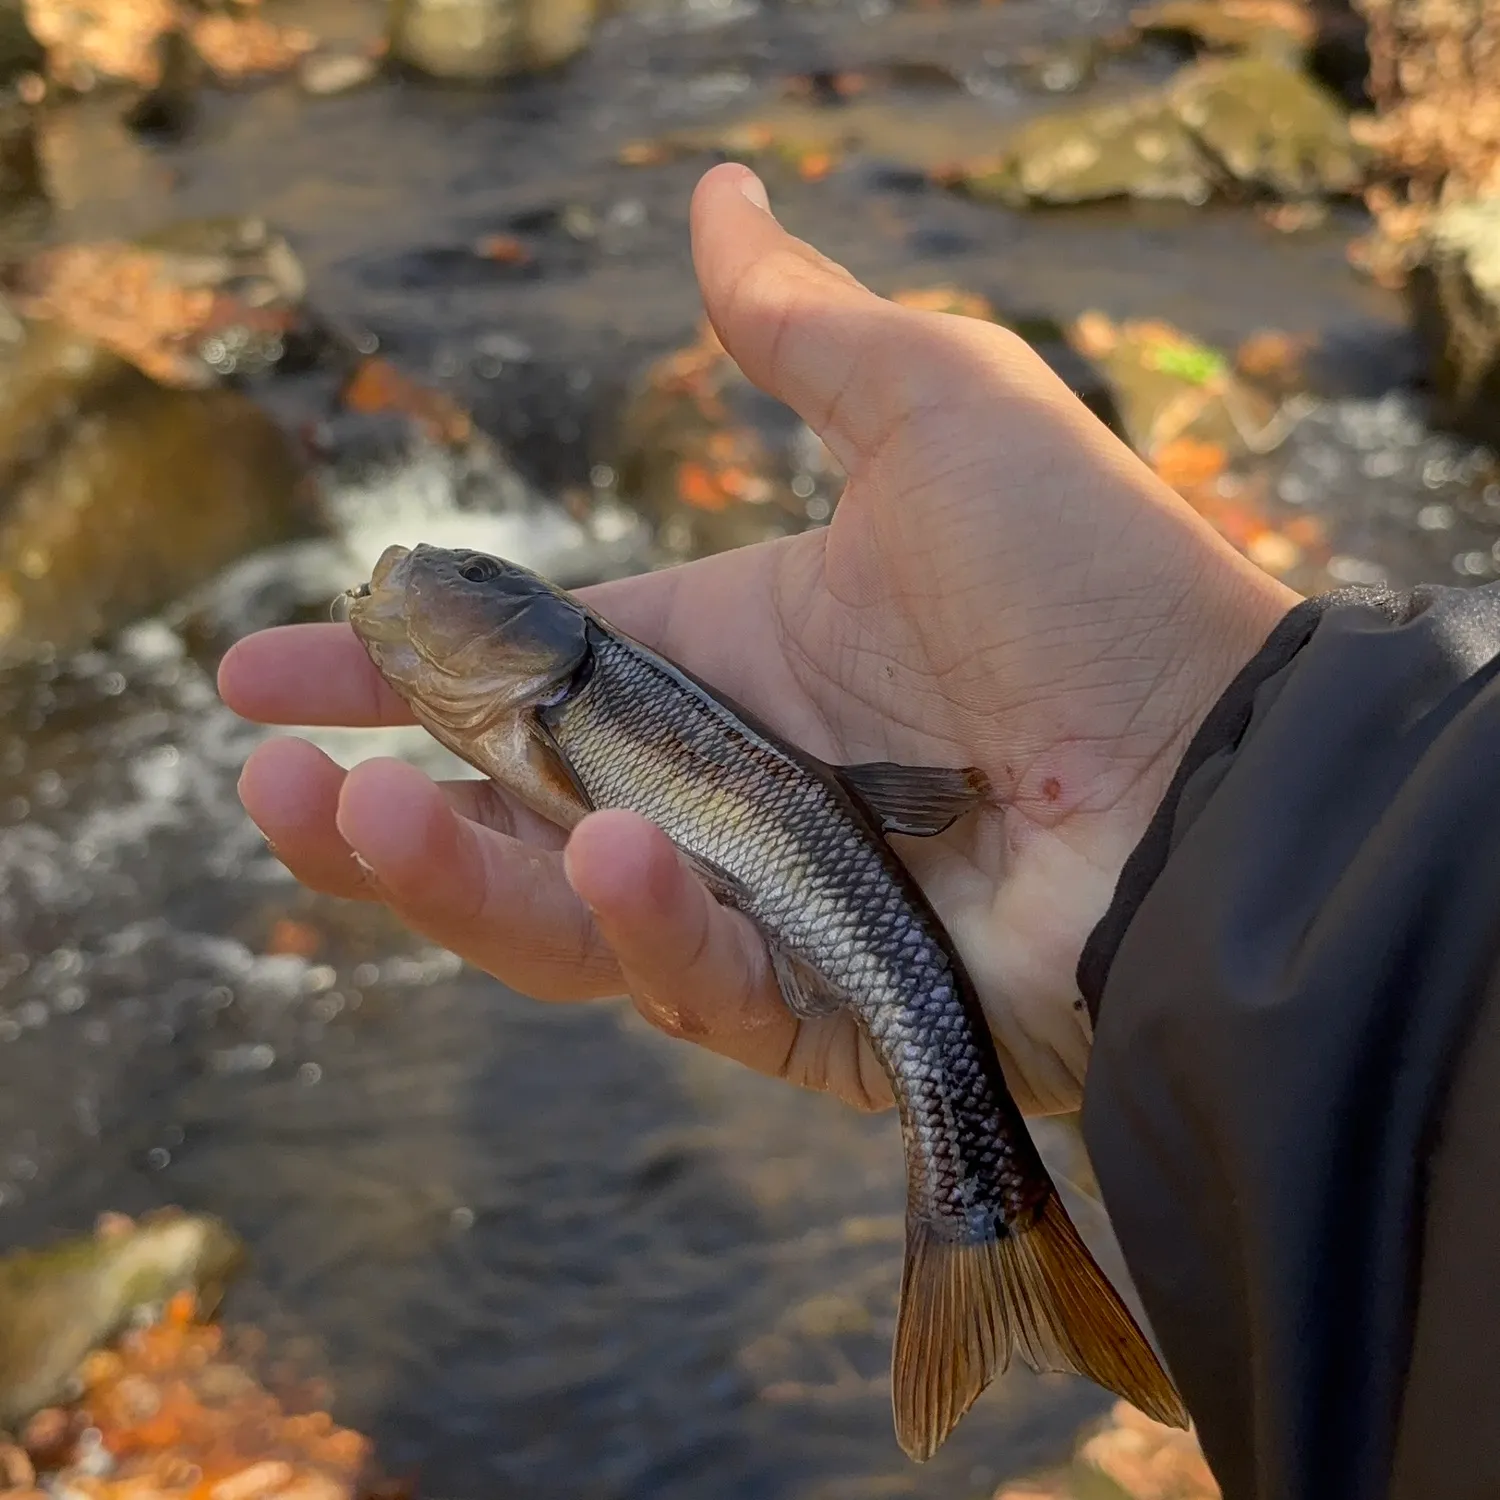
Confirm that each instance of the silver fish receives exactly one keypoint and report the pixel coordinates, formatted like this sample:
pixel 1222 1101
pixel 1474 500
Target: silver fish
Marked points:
pixel 533 688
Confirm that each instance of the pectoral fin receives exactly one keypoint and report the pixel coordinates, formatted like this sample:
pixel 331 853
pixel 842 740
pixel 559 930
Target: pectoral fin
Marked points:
pixel 919 800
pixel 806 992
pixel 722 886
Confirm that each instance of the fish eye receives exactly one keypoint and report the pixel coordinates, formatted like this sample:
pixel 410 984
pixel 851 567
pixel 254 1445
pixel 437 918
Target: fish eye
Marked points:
pixel 480 570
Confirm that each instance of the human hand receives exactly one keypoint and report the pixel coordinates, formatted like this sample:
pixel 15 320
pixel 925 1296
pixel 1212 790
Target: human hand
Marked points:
pixel 1003 584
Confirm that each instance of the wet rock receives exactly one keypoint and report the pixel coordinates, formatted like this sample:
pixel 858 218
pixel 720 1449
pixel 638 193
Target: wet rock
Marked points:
pixel 1136 149
pixel 1249 123
pixel 1454 294
pixel 92 40
pixel 1284 27
pixel 482 41
pixel 1269 127
pixel 1126 1457
pixel 172 1409
pixel 1277 363
pixel 1168 387
pixel 122 41
pixel 121 496
pixel 376 385
pixel 713 463
pixel 244 45
pixel 1202 422
pixel 187 305
pixel 62 1302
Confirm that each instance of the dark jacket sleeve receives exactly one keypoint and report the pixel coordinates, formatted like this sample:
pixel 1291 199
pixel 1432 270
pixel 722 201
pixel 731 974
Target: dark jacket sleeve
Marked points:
pixel 1293 1106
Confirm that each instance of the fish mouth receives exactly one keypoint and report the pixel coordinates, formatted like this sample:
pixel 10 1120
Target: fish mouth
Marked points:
pixel 377 609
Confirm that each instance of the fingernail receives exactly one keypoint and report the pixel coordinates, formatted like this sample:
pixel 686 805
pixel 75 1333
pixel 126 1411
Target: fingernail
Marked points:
pixel 755 190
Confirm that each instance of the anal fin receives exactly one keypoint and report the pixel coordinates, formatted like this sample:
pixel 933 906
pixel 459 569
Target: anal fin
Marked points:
pixel 917 800
pixel 966 1304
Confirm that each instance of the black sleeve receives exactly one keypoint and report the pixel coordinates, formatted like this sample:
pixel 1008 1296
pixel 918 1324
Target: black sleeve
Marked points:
pixel 1293 1106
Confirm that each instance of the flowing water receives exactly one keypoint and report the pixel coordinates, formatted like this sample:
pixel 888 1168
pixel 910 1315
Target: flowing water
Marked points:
pixel 543 1251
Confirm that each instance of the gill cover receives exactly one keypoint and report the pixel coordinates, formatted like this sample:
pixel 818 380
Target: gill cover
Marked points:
pixel 496 636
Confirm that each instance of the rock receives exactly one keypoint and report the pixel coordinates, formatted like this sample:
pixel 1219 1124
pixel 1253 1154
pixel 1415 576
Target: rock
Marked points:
pixel 172 1410
pixel 120 496
pixel 1276 362
pixel 713 463
pixel 1125 1457
pixel 1135 149
pixel 482 41
pixel 376 385
pixel 1454 295
pixel 1197 420
pixel 1168 387
pixel 1283 27
pixel 59 1304
pixel 187 305
pixel 1249 123
pixel 1148 1461
pixel 121 41
pixel 245 45
pixel 89 40
pixel 1269 126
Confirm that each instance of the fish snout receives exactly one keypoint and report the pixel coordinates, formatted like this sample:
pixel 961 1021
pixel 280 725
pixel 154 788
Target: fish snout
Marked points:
pixel 386 565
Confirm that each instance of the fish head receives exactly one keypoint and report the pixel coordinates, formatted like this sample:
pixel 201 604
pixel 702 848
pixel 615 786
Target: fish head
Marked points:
pixel 467 638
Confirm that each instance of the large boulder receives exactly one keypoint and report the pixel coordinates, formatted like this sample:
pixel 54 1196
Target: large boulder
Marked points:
pixel 483 41
pixel 121 496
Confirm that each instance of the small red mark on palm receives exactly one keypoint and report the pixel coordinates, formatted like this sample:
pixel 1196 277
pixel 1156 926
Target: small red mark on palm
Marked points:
pixel 1052 789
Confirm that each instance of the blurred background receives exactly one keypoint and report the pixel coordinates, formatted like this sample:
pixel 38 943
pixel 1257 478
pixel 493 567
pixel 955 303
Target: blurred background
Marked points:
pixel 283 282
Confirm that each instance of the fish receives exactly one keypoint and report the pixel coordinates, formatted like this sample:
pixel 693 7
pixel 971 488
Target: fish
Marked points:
pixel 568 714
pixel 60 1302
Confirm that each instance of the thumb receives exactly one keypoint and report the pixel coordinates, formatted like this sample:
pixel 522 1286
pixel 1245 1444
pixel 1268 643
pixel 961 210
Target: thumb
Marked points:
pixel 800 326
pixel 853 365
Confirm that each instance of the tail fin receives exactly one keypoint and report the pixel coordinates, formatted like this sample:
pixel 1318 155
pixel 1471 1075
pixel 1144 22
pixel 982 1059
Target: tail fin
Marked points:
pixel 964 1305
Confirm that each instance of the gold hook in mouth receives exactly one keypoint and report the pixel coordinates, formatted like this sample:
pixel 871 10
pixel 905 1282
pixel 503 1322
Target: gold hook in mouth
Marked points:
pixel 339 609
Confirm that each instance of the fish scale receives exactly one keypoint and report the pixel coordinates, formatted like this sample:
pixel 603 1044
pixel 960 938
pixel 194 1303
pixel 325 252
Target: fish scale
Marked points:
pixel 856 921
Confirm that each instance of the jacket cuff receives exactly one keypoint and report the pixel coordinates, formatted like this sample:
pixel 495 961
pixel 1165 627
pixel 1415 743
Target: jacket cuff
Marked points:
pixel 1209 755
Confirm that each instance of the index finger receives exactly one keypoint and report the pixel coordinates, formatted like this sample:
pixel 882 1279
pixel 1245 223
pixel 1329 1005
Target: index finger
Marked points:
pixel 308 674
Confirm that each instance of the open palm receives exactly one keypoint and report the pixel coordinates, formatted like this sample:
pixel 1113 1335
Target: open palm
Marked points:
pixel 1002 585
